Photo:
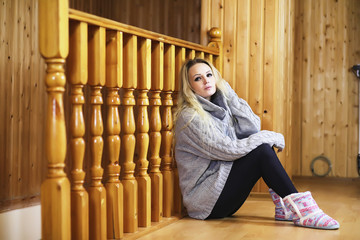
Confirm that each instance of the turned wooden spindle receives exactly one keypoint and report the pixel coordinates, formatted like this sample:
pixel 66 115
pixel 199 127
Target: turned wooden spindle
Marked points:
pixel 128 137
pixel 180 58
pixel 166 132
pixel 157 80
pixel 200 55
pixel 79 196
pixel 215 41
pixel 97 192
pixel 209 57
pixel 77 77
pixel 190 54
pixel 114 188
pixel 142 136
pixel 55 189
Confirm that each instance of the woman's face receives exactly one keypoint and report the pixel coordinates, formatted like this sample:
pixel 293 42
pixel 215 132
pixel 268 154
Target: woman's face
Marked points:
pixel 202 80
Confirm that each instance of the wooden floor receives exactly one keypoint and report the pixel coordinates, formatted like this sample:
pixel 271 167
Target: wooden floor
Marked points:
pixel 338 198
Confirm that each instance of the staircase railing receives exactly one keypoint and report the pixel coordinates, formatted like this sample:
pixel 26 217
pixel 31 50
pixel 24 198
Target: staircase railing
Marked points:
pixel 122 83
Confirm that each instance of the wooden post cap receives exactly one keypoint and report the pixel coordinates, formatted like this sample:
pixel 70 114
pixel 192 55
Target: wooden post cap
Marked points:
pixel 215 33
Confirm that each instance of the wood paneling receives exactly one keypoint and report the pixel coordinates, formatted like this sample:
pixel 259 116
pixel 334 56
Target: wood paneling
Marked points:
pixel 22 104
pixel 258 40
pixel 326 47
pixel 290 60
pixel 180 19
pixel 353 89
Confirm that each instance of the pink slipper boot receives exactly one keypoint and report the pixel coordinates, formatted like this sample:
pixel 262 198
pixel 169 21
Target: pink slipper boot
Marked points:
pixel 282 213
pixel 308 213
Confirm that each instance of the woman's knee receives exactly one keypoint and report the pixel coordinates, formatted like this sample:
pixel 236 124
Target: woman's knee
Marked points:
pixel 265 149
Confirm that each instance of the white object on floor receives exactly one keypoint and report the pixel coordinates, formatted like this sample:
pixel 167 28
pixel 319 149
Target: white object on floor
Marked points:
pixel 22 223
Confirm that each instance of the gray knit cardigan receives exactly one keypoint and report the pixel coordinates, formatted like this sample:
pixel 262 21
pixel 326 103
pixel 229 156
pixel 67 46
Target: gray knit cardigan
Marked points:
pixel 204 159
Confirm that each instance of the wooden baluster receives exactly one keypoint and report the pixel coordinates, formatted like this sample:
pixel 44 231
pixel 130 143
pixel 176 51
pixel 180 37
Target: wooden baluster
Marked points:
pixel 180 58
pixel 97 193
pixel 128 139
pixel 55 190
pixel 157 76
pixel 166 133
pixel 114 188
pixel 78 75
pixel 142 137
pixel 200 55
pixel 190 54
pixel 215 41
pixel 209 57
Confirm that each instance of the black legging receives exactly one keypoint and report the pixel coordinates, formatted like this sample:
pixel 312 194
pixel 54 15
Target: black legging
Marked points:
pixel 245 172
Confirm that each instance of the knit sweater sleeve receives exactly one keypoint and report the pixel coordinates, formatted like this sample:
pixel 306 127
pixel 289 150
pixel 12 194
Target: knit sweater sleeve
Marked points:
pixel 214 145
pixel 247 122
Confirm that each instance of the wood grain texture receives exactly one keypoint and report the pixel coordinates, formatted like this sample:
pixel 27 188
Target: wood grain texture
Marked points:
pixel 328 91
pixel 77 76
pixel 113 186
pixel 255 219
pixel 55 189
pixel 180 19
pixel 22 94
pixel 142 135
pixel 257 63
pixel 314 94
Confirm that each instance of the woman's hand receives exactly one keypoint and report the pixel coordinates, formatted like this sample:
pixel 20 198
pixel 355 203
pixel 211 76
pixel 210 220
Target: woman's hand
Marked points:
pixel 280 144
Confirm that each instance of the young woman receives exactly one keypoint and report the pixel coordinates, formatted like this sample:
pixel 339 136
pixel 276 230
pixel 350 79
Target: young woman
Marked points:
pixel 221 153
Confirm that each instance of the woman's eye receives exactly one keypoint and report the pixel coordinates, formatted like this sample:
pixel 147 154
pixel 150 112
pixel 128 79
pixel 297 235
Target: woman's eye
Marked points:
pixel 209 75
pixel 197 79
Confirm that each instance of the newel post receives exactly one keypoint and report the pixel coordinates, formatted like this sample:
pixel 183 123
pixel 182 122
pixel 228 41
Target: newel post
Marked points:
pixel 215 41
pixel 54 48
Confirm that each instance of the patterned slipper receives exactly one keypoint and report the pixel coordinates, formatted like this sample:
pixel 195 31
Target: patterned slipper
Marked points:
pixel 282 213
pixel 308 213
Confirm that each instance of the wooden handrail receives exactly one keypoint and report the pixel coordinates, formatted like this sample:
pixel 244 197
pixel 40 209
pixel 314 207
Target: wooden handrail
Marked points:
pixel 113 25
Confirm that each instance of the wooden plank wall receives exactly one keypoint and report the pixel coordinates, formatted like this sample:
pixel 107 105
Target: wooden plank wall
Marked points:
pixel 326 46
pixel 22 88
pixel 258 38
pixel 290 60
pixel 22 104
pixel 175 18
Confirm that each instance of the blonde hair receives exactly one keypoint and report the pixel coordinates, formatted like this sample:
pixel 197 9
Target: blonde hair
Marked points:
pixel 187 97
